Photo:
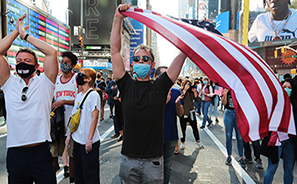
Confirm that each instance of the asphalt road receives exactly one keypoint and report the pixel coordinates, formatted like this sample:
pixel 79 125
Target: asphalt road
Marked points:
pixel 192 165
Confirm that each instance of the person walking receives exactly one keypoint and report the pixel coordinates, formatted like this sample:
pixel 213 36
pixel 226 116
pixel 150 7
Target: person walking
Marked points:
pixel 206 93
pixel 230 122
pixel 190 95
pixel 29 105
pixel 143 105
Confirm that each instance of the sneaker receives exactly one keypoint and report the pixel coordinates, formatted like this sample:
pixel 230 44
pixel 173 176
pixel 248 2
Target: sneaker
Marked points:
pixel 202 127
pixel 233 137
pixel 228 161
pixel 200 145
pixel 217 120
pixel 241 162
pixel 66 171
pixel 182 146
pixel 115 135
pixel 259 164
pixel 209 123
pixel 248 160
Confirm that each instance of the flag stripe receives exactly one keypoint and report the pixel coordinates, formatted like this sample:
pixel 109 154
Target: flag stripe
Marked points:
pixel 256 92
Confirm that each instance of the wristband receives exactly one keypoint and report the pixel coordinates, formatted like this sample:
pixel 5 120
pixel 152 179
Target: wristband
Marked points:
pixel 25 38
pixel 89 140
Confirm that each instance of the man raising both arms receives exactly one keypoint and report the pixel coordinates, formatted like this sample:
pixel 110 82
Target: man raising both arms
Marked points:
pixel 143 102
pixel 28 111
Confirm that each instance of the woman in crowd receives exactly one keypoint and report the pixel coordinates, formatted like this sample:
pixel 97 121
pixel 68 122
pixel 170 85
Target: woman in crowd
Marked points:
pixel 214 103
pixel 287 148
pixel 86 137
pixel 190 94
pixel 206 93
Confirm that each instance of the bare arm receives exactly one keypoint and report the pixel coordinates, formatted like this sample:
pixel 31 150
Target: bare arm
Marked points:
pixel 4 66
pixel 117 61
pixel 224 98
pixel 95 115
pixel 57 104
pixel 175 67
pixel 51 57
pixel 178 106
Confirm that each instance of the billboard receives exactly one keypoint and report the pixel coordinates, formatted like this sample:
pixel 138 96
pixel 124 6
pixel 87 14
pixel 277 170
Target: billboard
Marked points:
pixel 97 20
pixel 136 39
pixel 43 27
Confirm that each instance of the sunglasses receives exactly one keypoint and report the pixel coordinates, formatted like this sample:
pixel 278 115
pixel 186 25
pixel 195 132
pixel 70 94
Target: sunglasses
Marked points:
pixel 144 58
pixel 24 92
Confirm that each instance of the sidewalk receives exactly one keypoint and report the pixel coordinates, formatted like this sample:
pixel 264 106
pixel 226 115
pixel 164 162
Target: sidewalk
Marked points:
pixel 3 129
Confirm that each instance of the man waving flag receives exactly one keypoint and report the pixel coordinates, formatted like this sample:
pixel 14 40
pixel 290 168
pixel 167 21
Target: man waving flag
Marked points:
pixel 261 104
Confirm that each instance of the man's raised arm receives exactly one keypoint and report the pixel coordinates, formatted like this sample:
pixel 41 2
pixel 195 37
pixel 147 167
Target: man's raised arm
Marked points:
pixel 117 61
pixel 51 67
pixel 175 67
pixel 5 44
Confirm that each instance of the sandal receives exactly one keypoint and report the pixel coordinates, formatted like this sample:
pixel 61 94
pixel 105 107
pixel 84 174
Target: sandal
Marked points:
pixel 176 152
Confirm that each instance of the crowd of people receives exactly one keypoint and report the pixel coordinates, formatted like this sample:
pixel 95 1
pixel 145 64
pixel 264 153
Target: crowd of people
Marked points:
pixel 140 106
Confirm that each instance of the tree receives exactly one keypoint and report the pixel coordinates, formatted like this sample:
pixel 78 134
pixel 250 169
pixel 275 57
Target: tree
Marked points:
pixel 293 4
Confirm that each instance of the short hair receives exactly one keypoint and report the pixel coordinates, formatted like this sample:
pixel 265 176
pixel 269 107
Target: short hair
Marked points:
pixel 30 51
pixel 287 76
pixel 158 70
pixel 71 56
pixel 146 48
pixel 90 72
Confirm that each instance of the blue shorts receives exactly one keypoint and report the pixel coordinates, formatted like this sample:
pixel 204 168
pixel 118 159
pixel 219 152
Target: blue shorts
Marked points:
pixel 28 164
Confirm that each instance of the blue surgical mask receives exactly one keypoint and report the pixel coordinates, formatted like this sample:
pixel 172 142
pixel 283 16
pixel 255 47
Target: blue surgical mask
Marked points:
pixel 134 75
pixel 289 91
pixel 204 82
pixel 142 70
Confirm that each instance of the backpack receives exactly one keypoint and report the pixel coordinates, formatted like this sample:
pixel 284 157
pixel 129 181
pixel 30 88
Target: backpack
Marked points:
pixel 57 124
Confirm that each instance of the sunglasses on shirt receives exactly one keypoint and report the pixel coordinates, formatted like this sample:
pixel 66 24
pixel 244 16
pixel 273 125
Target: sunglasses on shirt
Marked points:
pixel 24 92
pixel 144 58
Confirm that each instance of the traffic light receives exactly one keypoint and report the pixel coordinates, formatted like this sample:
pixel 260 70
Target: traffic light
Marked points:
pixel 80 40
pixel 283 50
pixel 275 53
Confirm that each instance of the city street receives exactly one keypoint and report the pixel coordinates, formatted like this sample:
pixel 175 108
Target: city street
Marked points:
pixel 192 165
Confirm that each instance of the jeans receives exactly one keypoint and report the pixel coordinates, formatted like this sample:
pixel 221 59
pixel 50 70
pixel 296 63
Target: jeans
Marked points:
pixel 287 149
pixel 230 123
pixel 198 106
pixel 216 104
pixel 193 123
pixel 141 170
pixel 205 107
pixel 169 146
pixel 248 151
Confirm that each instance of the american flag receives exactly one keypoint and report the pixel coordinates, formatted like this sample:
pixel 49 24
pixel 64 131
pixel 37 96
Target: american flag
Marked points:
pixel 260 102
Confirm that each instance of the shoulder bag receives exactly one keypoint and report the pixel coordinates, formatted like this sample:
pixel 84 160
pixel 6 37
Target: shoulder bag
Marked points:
pixel 75 118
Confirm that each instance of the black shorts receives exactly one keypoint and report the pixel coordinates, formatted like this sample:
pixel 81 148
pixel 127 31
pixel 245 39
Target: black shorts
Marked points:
pixel 28 164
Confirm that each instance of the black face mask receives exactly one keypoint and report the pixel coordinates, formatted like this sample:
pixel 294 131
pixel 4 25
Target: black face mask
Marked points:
pixel 80 79
pixel 25 70
pixel 98 76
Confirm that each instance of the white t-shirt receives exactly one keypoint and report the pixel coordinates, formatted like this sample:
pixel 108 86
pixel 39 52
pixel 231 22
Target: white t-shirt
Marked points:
pixel 28 122
pixel 93 101
pixel 66 91
pixel 262 30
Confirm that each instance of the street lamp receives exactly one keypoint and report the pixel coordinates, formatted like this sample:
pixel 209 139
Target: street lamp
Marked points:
pixel 11 20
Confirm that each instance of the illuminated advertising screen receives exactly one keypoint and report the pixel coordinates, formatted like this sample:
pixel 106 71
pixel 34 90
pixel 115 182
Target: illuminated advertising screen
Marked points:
pixel 42 27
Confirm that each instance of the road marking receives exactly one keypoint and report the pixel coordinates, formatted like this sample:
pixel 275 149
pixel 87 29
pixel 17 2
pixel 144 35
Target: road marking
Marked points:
pixel 234 163
pixel 3 135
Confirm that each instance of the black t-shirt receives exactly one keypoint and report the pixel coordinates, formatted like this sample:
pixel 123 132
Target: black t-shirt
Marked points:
pixel 143 105
pixel 229 104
